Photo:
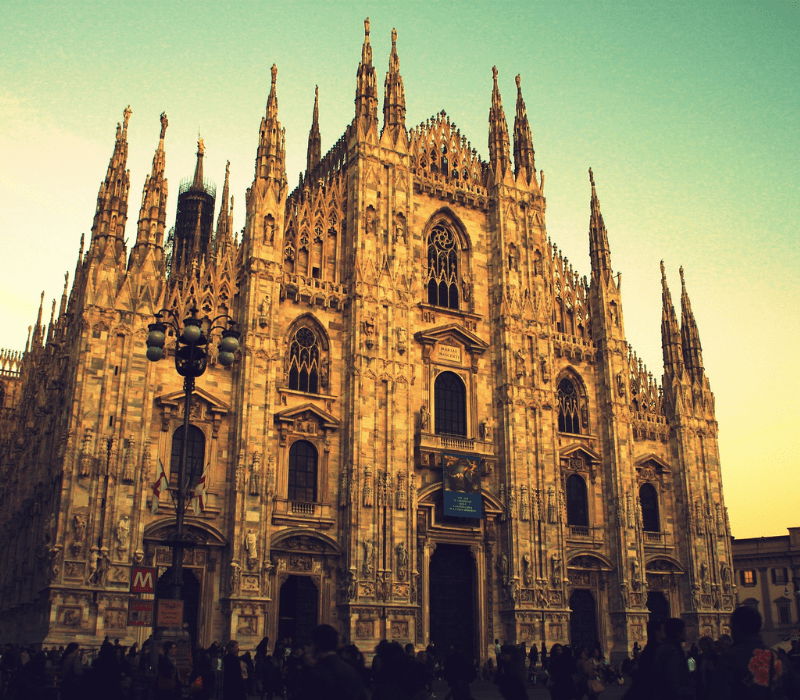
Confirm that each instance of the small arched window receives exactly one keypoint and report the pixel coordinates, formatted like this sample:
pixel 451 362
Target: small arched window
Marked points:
pixel 450 404
pixel 304 361
pixel 195 456
pixel 648 497
pixel 302 472
pixel 443 263
pixel 569 413
pixel 577 501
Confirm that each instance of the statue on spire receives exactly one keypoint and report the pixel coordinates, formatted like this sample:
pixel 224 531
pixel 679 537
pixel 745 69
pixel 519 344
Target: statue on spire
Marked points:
pixel 591 181
pixel 201 147
pixel 274 71
pixel 164 125
pixel 366 27
pixel 126 115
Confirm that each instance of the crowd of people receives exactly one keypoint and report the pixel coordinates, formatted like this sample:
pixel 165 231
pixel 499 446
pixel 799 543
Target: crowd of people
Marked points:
pixel 737 667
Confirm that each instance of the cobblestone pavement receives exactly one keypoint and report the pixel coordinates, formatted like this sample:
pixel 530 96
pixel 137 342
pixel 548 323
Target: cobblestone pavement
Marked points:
pixel 486 690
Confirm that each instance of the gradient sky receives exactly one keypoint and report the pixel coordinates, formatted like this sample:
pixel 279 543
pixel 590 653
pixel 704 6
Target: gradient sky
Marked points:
pixel 688 112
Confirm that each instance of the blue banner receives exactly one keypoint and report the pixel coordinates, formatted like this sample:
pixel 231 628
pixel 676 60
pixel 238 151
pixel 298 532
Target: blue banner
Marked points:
pixel 462 486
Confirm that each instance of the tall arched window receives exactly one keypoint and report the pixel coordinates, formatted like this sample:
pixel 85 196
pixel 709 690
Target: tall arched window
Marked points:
pixel 302 472
pixel 569 418
pixel 443 262
pixel 450 404
pixel 195 456
pixel 577 501
pixel 648 497
pixel 304 361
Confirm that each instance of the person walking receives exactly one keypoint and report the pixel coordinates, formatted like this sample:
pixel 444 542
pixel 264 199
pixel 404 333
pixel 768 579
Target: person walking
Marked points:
pixel 750 670
pixel 168 682
pixel 511 680
pixel 330 677
pixel 233 684
pixel 672 680
pixel 642 671
pixel 72 676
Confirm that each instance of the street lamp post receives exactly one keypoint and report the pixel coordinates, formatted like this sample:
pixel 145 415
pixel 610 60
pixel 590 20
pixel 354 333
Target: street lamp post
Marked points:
pixel 191 359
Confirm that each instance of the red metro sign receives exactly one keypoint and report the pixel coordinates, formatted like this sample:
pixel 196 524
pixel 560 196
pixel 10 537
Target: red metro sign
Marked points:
pixel 143 580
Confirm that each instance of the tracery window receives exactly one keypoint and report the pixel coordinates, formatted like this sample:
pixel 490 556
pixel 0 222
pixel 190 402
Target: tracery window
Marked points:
pixel 302 472
pixel 443 263
pixel 648 497
pixel 304 361
pixel 569 418
pixel 195 456
pixel 577 501
pixel 450 404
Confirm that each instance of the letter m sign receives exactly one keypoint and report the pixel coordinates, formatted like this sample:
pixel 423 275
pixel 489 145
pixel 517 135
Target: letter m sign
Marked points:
pixel 143 580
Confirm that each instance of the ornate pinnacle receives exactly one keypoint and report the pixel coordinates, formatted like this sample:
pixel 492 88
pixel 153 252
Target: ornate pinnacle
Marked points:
pixel 126 115
pixel 591 181
pixel 164 125
pixel 274 72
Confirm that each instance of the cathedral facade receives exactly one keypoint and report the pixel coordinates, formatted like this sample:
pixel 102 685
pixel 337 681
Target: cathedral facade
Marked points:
pixel 434 430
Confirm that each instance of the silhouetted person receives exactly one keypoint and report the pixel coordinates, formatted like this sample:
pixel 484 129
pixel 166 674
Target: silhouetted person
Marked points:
pixel 329 677
pixel 562 673
pixel 168 682
pixel 233 683
pixel 511 678
pixel 643 687
pixel 672 678
pixel 749 670
pixel 459 673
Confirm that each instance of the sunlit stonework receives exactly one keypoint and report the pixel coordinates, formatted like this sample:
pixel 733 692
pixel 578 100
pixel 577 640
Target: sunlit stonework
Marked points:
pixel 401 304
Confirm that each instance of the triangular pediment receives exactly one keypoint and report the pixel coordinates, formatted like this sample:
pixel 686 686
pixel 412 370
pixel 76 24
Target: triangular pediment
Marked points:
pixel 578 450
pixel 296 412
pixel 453 331
pixel 176 398
pixel 654 460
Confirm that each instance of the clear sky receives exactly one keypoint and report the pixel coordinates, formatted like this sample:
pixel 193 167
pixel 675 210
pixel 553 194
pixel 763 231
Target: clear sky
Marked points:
pixel 688 112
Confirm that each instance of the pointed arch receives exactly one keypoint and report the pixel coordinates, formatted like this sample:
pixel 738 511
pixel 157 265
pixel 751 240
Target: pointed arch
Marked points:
pixel 573 409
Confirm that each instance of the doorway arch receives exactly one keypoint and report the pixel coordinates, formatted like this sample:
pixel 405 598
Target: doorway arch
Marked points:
pixel 583 620
pixel 190 594
pixel 658 605
pixel 452 598
pixel 298 609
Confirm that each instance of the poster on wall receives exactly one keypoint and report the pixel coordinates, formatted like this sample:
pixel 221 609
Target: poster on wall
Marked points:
pixel 462 486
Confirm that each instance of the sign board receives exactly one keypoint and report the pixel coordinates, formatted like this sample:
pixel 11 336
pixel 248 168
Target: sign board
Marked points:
pixel 462 486
pixel 140 613
pixel 143 580
pixel 170 613
pixel 450 353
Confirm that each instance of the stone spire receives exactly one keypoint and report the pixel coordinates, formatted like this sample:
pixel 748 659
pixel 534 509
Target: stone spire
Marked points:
pixel 394 94
pixel 197 181
pixel 670 333
pixel 499 153
pixel 314 141
pixel 225 218
pixel 112 199
pixel 153 213
pixel 598 239
pixel 366 86
pixel 271 157
pixel 523 140
pixel 690 337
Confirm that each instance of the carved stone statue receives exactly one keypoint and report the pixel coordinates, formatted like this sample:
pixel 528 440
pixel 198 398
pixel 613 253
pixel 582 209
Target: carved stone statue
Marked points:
pixel 240 470
pixel 525 503
pixel 556 563
pixel 725 575
pixel 424 418
pixel 123 533
pixel 369 556
pixel 236 572
pixel 624 594
pixel 79 532
pixel 527 572
pixel 251 547
pixel 505 570
pixel 368 489
pixel 519 360
pixel 402 561
pixel 255 475
pixel 324 371
pixel 487 429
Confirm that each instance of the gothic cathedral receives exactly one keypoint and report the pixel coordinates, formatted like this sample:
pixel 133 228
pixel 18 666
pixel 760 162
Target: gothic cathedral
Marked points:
pixel 434 429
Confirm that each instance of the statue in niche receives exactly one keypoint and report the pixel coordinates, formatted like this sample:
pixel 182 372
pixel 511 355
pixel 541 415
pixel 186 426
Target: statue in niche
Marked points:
pixel 624 594
pixel 371 223
pixel 235 575
pixel 513 258
pixel 269 230
pixel 527 569
pixel 369 557
pixel 636 574
pixel 519 359
pixel 400 229
pixel 504 567
pixel 424 418
pixel 725 575
pixel 367 491
pixel 466 288
pixel 123 533
pixel 251 547
pixel 486 427
pixel 556 562
pixel 402 561
pixel 324 371
pixel 79 532
pixel 255 475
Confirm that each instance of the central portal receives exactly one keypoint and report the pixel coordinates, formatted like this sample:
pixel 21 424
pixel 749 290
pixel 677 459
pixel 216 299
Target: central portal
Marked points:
pixel 452 595
pixel 299 609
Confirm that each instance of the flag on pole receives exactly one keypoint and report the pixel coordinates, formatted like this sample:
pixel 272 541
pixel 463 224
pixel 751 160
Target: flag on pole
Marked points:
pixel 162 483
pixel 199 494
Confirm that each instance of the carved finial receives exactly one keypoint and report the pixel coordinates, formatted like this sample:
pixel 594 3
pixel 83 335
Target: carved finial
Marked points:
pixel 274 73
pixel 126 115
pixel 164 124
pixel 201 147
pixel 683 282
pixel 591 177
pixel 494 74
pixel 519 83
pixel 394 36
pixel 366 27
pixel 663 274
pixel 227 169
